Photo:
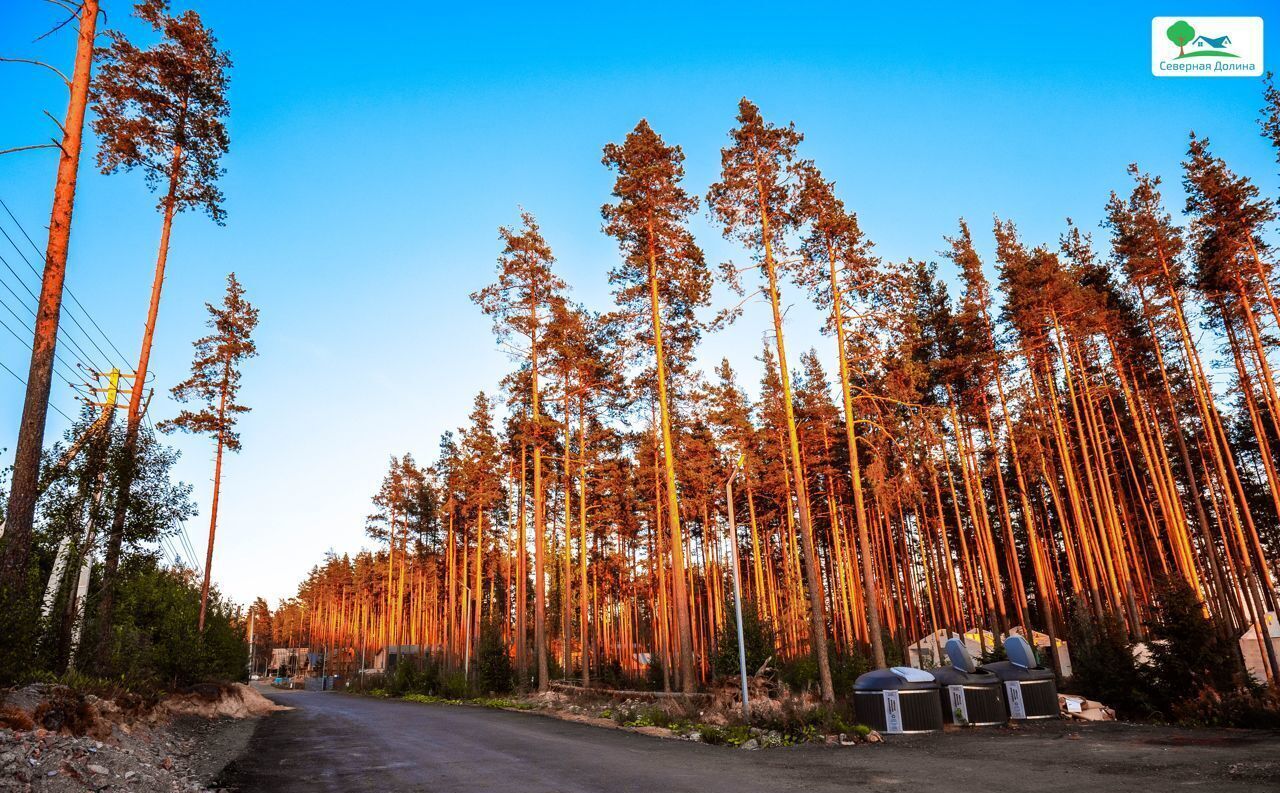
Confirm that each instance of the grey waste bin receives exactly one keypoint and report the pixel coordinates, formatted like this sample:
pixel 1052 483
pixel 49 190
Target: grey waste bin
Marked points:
pixel 1030 690
pixel 969 696
pixel 898 700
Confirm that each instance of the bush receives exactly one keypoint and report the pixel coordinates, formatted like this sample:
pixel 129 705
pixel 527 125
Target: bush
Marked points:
pixel 1188 653
pixel 1254 707
pixel 799 673
pixel 997 653
pixel 758 637
pixel 611 675
pixel 845 670
pixel 653 674
pixel 405 678
pixel 1196 676
pixel 154 640
pixel 798 721
pixel 735 735
pixel 1103 667
pixel 454 685
pixel 495 673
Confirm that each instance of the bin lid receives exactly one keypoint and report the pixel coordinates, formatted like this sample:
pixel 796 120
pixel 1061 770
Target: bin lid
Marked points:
pixel 1007 670
pixel 899 678
pixel 951 676
pixel 959 655
pixel 1019 652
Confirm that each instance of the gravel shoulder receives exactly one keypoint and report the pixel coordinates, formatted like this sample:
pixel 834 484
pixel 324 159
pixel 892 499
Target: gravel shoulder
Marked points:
pixel 185 756
pixel 57 740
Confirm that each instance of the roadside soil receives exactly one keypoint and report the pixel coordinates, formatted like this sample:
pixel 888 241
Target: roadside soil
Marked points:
pixel 56 740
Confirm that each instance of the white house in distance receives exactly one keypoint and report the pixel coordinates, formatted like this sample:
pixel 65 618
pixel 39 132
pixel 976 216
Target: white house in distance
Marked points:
pixel 287 661
pixel 1254 660
pixel 385 660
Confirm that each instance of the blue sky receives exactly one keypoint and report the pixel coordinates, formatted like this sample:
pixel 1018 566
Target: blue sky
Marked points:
pixel 374 154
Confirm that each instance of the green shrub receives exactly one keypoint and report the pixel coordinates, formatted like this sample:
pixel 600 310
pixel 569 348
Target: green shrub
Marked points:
pixel 1253 707
pixel 495 672
pixel 735 735
pixel 1188 653
pixel 1103 667
pixel 845 670
pixel 454 685
pixel 799 673
pixel 758 638
pixel 996 653
pixel 653 674
pixel 611 675
pixel 404 678
pixel 154 639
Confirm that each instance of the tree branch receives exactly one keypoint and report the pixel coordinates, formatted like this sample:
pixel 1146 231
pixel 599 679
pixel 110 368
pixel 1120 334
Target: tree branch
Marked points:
pixel 74 12
pixel 53 69
pixel 65 6
pixel 56 122
pixel 27 148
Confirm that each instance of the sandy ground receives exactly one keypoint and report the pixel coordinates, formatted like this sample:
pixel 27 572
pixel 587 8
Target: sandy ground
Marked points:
pixel 339 742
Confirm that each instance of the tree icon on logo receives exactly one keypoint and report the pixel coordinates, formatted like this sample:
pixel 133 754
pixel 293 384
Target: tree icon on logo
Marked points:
pixel 1181 34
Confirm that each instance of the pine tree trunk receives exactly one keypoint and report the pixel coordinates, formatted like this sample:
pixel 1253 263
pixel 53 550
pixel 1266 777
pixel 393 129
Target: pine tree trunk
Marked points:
pixel 855 470
pixel 582 542
pixel 522 578
pixel 813 579
pixel 217 491
pixel 679 590
pixel 539 523
pixel 115 540
pixel 15 532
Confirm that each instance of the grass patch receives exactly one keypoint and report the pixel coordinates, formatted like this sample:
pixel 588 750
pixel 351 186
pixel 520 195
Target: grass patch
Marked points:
pixel 503 703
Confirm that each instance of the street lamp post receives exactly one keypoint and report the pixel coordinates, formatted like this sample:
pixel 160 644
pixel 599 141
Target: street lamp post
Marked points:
pixel 737 591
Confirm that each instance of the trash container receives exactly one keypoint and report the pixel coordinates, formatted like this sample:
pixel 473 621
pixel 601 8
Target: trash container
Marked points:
pixel 898 700
pixel 1030 690
pixel 969 696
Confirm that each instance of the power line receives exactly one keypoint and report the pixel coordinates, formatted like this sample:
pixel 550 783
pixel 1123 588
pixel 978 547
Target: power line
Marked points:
pixel 24 382
pixel 61 374
pixel 67 289
pixel 63 332
pixel 57 358
pixel 181 534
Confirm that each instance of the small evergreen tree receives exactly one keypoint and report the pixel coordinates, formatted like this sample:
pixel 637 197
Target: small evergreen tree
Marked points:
pixel 495 673
pixel 1103 666
pixel 1188 653
pixel 757 636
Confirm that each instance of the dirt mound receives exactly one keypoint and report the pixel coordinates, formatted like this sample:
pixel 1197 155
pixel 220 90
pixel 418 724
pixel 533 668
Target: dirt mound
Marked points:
pixel 235 701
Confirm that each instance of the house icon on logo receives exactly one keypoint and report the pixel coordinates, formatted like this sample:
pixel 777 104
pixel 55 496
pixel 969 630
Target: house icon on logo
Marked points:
pixel 1219 43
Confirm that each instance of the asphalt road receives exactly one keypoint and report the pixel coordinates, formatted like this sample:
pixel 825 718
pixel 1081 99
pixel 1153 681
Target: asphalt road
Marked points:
pixel 339 742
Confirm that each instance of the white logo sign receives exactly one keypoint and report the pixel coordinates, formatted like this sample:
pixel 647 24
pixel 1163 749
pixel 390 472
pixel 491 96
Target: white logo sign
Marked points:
pixel 1013 695
pixel 1206 47
pixel 959 705
pixel 892 712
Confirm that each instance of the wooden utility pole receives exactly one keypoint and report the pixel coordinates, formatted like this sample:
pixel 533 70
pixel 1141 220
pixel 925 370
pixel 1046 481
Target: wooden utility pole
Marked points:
pixel 15 552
